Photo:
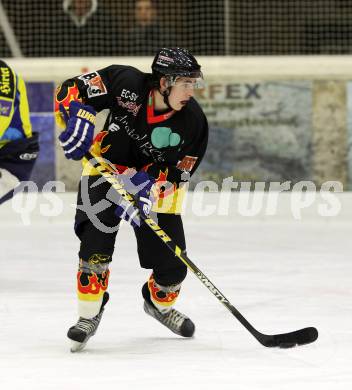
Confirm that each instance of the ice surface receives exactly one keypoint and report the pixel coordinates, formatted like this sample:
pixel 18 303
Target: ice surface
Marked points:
pixel 282 276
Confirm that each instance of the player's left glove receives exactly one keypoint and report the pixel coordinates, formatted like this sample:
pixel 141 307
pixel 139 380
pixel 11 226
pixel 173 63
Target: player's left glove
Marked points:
pixel 140 186
pixel 78 136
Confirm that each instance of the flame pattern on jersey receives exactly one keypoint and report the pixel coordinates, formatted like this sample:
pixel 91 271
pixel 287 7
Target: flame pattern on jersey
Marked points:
pixel 163 186
pixel 97 150
pixel 163 190
pixel 65 94
pixel 99 139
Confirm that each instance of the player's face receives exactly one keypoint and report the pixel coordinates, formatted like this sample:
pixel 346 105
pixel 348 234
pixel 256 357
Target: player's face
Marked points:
pixel 181 92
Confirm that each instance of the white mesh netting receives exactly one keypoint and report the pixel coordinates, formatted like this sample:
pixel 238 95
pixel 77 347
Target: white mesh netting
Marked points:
pixel 50 28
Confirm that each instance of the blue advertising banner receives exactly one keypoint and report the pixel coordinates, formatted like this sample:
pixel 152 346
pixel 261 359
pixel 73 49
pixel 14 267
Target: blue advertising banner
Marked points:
pixel 40 97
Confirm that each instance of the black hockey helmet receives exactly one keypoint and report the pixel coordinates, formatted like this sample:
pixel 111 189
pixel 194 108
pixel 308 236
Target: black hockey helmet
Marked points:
pixel 176 62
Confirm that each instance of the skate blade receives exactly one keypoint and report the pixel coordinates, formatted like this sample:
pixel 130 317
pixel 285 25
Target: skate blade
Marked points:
pixel 76 346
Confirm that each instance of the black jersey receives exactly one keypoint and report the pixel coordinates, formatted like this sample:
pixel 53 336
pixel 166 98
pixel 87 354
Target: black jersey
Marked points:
pixel 136 136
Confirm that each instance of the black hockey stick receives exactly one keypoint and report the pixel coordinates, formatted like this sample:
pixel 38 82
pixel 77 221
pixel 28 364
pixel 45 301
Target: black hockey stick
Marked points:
pixel 283 340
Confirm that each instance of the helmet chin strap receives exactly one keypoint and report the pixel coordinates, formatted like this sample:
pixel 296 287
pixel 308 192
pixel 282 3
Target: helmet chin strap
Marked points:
pixel 166 95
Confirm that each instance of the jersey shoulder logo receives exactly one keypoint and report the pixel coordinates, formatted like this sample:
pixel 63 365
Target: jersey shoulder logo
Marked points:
pixel 95 84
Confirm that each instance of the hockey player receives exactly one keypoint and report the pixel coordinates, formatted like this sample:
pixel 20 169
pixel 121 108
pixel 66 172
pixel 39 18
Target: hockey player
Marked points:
pixel 18 145
pixel 155 133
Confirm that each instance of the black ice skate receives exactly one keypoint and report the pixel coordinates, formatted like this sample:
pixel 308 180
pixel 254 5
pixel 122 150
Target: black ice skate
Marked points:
pixel 174 320
pixel 85 328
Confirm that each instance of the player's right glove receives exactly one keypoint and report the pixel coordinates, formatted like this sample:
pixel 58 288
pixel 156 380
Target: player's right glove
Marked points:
pixel 78 136
pixel 140 186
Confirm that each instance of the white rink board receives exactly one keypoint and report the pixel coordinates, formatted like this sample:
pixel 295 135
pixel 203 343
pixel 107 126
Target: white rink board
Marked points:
pixel 282 274
pixel 243 67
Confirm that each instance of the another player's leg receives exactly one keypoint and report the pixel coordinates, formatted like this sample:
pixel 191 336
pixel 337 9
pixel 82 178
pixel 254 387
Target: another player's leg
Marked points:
pixel 8 183
pixel 162 289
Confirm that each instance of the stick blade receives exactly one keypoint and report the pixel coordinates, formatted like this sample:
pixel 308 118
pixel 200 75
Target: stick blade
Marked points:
pixel 292 339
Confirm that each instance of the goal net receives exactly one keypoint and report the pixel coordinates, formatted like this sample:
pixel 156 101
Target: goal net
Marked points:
pixel 66 28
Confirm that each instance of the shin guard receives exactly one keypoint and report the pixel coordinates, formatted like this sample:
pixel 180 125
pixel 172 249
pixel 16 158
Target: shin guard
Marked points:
pixel 92 282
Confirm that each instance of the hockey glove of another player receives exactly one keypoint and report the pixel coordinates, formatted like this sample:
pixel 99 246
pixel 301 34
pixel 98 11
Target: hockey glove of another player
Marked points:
pixel 140 186
pixel 78 136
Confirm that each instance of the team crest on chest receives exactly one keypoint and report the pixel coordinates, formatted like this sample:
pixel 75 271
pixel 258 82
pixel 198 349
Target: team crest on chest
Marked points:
pixel 130 106
pixel 163 137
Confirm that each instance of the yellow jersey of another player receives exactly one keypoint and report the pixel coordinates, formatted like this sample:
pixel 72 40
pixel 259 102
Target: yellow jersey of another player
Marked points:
pixel 14 110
